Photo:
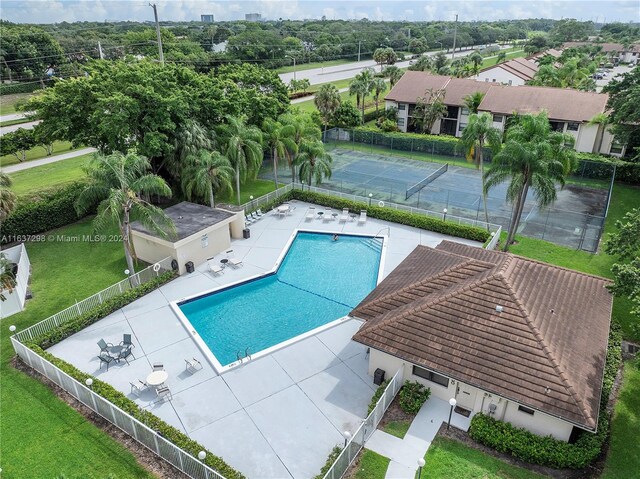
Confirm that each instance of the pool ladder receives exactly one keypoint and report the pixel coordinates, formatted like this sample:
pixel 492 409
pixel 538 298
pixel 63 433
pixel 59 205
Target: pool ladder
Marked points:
pixel 241 358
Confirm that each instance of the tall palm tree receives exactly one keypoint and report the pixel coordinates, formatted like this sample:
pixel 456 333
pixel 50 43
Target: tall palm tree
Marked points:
pixel 119 182
pixel 207 173
pixel 279 139
pixel 303 130
pixel 472 101
pixel 501 57
pixel 361 86
pixel 533 157
pixel 603 121
pixel 242 145
pixel 7 197
pixel 478 133
pixel 190 138
pixel 314 162
pixel 379 86
pixel 327 101
pixel 393 73
pixel 476 59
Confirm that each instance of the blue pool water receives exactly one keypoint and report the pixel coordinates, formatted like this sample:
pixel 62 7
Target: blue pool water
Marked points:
pixel 319 281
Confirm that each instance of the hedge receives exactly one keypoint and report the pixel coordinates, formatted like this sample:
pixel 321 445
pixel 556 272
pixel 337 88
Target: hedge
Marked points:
pixel 13 88
pixel 48 211
pixel 547 451
pixel 333 455
pixel 600 168
pixel 109 392
pixel 395 216
pixel 377 395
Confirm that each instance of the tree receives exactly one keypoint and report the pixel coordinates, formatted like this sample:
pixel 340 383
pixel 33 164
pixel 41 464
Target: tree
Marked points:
pixel 190 138
pixel 119 183
pixel 207 173
pixel 7 197
pixel 361 86
pixel 314 162
pixel 42 138
pixel 418 45
pixel 479 133
pixel 603 121
pixel 279 140
pixel 242 145
pixel 472 101
pixel 28 52
pixel 440 61
pixel 429 109
pixel 501 57
pixel 17 143
pixel 327 101
pixel 379 87
pixel 624 98
pixel 423 64
pixel 7 277
pixel 304 129
pixel 347 115
pixel 533 157
pixel 394 74
pixel 625 245
pixel 477 60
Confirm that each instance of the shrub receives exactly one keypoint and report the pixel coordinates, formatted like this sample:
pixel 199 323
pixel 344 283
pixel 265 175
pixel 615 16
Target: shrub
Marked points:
pixel 395 216
pixel 388 125
pixel 377 395
pixel 412 396
pixel 599 167
pixel 50 210
pixel 333 455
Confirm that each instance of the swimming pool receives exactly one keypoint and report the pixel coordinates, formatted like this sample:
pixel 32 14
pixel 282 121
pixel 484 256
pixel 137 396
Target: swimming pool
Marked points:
pixel 317 282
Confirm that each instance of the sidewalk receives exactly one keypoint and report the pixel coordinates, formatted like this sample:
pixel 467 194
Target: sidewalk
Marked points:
pixel 45 161
pixel 311 97
pixel 404 453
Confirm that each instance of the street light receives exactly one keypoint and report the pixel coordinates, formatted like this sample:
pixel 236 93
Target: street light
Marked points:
pixel 251 200
pixel 370 196
pixel 347 436
pixel 440 45
pixel 420 466
pixel 294 65
pixel 444 214
pixel 88 382
pixel 202 455
pixel 12 328
pixel 452 403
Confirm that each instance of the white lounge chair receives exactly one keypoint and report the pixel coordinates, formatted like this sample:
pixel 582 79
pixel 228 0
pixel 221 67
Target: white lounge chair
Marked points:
pixel 259 212
pixel 193 365
pixel 344 217
pixel 326 217
pixel 248 219
pixel 310 214
pixel 254 216
pixel 164 392
pixel 214 267
pixel 138 387
pixel 235 262
pixel 363 217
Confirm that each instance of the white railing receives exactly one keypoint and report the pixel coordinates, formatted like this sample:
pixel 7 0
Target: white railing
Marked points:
pixel 146 436
pixel 91 302
pixel 495 237
pixel 264 199
pixel 366 429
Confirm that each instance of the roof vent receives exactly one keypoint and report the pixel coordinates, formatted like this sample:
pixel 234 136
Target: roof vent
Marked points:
pixel 499 309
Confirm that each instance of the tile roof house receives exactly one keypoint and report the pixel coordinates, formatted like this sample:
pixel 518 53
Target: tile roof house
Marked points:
pixel 517 71
pixel 518 339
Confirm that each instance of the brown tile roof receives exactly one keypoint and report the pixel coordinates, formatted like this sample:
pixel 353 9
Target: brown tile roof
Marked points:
pixel 520 67
pixel 559 103
pixel 545 350
pixel 413 85
pixel 458 88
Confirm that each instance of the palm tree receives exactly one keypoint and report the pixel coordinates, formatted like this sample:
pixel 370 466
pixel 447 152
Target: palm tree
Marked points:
pixel 478 133
pixel 603 121
pixel 532 157
pixel 477 60
pixel 279 139
pixel 361 85
pixel 207 173
pixel 472 101
pixel 242 145
pixel 314 162
pixel 429 109
pixel 379 86
pixel 502 57
pixel 303 130
pixel 7 197
pixel 355 87
pixel 190 138
pixel 119 182
pixel 394 74
pixel 327 101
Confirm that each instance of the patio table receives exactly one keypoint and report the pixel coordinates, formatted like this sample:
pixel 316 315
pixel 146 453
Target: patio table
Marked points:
pixel 353 217
pixel 283 208
pixel 224 262
pixel 114 351
pixel 320 213
pixel 157 378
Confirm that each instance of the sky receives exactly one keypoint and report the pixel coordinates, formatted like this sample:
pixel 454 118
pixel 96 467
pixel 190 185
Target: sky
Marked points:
pixel 53 11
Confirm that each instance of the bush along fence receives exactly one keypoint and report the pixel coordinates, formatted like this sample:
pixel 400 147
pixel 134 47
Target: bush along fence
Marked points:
pixel 547 451
pixel 163 439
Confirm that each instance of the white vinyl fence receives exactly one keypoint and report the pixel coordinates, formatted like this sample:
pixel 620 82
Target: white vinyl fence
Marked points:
pixel 366 429
pixel 495 237
pixel 257 203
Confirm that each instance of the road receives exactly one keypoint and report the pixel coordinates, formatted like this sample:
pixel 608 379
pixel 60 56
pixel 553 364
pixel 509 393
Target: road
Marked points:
pixel 12 116
pixel 349 70
pixel 27 126
pixel 45 161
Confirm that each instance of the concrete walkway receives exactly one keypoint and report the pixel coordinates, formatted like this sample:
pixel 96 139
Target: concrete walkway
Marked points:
pixel 45 161
pixel 312 97
pixel 404 453
pixel 12 116
pixel 27 126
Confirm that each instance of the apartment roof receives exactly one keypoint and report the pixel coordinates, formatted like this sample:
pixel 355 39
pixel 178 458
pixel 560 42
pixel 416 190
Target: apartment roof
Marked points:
pixel 458 88
pixel 559 103
pixel 520 67
pixel 413 85
pixel 546 349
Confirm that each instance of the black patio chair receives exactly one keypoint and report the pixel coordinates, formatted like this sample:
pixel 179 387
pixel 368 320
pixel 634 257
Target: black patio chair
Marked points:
pixel 103 345
pixel 123 355
pixel 126 341
pixel 104 357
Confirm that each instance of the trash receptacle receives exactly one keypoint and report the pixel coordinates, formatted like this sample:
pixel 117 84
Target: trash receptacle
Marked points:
pixel 378 377
pixel 189 266
pixel 246 233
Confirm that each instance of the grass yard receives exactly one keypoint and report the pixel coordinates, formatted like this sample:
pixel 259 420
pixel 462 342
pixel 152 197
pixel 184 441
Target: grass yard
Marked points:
pixel 14 122
pixel 397 428
pixel 372 466
pixel 623 461
pixel 41 435
pixel 309 66
pixel 37 153
pixel 448 459
pixel 8 102
pixel 48 176
pixel 255 188
pixel 514 53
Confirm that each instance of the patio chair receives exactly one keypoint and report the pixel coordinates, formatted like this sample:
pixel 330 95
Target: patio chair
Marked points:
pixel 214 267
pixel 124 354
pixel 259 212
pixel 158 367
pixel 137 388
pixel 289 212
pixel 344 217
pixel 235 262
pixel 248 219
pixel 254 216
pixel 363 217
pixel 126 341
pixel 193 365
pixel 164 392
pixel 310 214
pixel 105 358
pixel 103 345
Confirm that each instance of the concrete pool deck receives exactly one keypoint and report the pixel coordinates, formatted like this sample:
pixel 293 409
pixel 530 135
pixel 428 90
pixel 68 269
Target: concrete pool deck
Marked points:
pixel 274 417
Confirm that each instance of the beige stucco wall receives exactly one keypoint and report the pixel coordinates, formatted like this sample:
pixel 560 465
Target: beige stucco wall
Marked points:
pixel 585 137
pixel 474 398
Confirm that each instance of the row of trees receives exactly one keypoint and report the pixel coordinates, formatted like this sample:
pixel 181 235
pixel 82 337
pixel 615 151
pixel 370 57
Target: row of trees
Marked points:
pixel 20 141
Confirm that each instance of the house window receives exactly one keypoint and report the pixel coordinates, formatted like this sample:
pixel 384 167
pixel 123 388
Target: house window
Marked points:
pixel 526 410
pixel 402 106
pixel 430 376
pixel 494 80
pixel 462 126
pixel 510 82
pixel 573 126
pixel 498 118
pixel 616 148
pixel 400 121
pixel 465 111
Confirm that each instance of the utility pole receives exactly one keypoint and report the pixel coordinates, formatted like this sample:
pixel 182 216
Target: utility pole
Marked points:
pixel 155 14
pixel 455 34
pixel 359 43
pixel 100 52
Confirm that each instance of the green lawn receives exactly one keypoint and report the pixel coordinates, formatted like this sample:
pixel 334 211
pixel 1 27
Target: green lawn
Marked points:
pixel 514 53
pixel 255 188
pixel 37 153
pixel 372 466
pixel 41 435
pixel 14 122
pixel 8 102
pixel 310 66
pixel 48 176
pixel 447 459
pixel 397 428
pixel 623 461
